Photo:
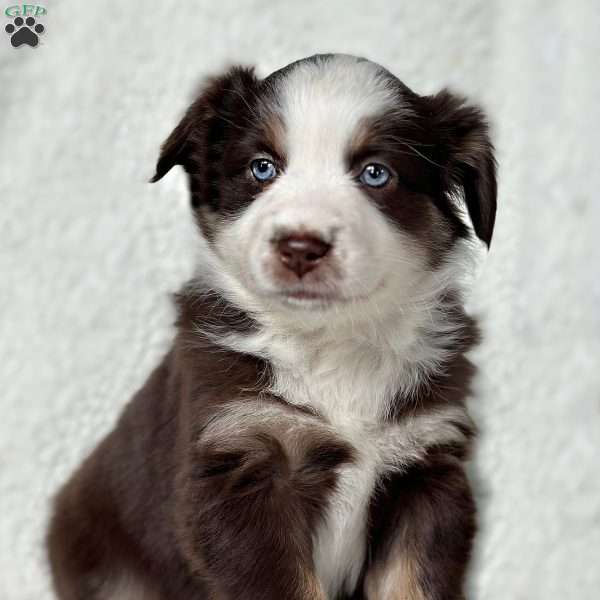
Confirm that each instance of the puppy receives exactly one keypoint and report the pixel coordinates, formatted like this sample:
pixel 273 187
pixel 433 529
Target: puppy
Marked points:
pixel 305 436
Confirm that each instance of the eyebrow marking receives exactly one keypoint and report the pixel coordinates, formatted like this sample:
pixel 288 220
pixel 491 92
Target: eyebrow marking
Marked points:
pixel 381 137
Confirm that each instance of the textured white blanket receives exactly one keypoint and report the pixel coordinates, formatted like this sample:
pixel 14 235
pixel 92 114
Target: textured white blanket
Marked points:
pixel 89 252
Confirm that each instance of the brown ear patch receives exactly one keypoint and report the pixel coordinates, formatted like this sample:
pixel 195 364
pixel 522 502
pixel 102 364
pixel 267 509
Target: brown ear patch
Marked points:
pixel 222 103
pixel 467 155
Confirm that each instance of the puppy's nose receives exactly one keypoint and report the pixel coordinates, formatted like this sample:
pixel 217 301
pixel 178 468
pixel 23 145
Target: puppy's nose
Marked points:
pixel 302 253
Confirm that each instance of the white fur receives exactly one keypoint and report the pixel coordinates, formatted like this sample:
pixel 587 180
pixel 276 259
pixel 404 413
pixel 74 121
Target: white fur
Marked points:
pixel 389 332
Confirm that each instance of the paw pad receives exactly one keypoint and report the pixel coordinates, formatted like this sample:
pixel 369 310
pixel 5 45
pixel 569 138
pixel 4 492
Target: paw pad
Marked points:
pixel 24 32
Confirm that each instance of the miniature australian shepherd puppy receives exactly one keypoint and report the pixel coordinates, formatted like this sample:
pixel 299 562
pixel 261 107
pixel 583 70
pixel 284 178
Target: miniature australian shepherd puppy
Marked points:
pixel 305 436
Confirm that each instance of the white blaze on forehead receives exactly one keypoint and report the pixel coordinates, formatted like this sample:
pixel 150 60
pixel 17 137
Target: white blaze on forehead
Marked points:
pixel 323 101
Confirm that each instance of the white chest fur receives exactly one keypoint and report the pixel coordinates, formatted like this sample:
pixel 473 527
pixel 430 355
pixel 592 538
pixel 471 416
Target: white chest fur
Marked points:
pixel 340 541
pixel 350 381
pixel 351 387
pixel 351 397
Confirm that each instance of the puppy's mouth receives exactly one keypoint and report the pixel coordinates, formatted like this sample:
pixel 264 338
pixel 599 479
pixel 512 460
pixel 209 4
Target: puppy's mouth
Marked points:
pixel 310 298
pixel 314 298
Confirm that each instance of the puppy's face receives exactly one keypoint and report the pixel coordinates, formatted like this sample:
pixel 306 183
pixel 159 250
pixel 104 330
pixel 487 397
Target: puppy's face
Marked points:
pixel 330 183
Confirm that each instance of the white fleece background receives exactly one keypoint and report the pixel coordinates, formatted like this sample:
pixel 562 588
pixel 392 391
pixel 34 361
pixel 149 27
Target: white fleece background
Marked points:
pixel 89 252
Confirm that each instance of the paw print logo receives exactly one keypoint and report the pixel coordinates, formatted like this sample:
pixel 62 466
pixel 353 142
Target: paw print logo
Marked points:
pixel 24 32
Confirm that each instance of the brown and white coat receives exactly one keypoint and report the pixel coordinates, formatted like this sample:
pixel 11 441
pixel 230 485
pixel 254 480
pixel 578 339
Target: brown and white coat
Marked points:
pixel 305 436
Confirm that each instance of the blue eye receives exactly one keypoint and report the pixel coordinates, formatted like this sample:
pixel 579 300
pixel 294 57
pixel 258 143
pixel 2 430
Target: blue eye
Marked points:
pixel 263 169
pixel 375 175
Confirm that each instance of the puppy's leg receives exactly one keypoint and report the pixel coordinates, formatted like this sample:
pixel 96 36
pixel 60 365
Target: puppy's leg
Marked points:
pixel 91 556
pixel 88 554
pixel 424 526
pixel 78 548
pixel 257 481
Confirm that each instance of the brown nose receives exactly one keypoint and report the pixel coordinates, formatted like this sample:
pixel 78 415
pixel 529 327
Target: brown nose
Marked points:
pixel 302 253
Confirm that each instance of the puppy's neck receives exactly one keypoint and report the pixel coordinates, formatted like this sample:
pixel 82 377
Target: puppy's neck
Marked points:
pixel 353 366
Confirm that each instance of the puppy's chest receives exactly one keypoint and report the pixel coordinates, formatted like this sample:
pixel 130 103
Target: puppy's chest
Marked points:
pixel 353 407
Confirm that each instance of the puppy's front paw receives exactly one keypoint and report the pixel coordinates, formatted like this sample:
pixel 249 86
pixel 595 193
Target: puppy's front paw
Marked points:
pixel 242 465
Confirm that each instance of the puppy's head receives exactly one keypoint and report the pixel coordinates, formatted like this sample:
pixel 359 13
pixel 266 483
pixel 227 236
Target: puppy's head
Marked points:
pixel 330 183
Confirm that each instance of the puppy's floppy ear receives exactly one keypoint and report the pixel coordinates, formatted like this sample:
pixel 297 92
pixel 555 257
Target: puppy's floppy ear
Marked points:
pixel 468 157
pixel 214 108
pixel 174 148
